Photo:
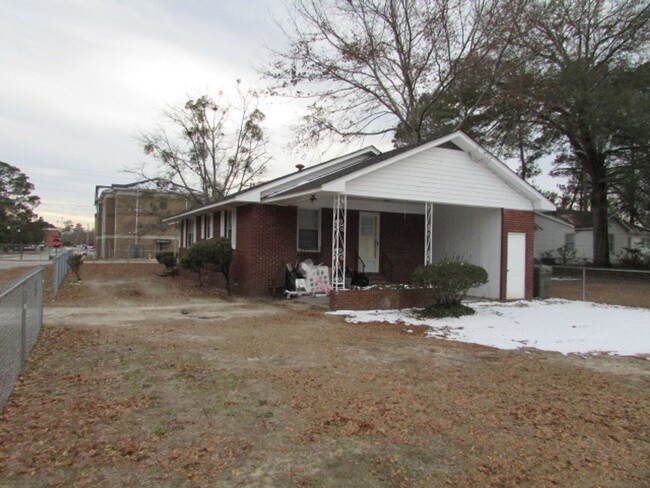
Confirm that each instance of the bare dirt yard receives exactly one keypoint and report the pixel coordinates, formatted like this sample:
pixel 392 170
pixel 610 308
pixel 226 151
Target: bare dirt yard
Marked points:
pixel 627 289
pixel 139 380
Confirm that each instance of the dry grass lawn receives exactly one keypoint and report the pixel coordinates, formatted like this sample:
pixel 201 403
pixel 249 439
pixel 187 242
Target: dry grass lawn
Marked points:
pixel 139 380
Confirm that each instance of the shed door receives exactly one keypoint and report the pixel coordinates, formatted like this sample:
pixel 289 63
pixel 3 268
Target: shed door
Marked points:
pixel 516 266
pixel 369 241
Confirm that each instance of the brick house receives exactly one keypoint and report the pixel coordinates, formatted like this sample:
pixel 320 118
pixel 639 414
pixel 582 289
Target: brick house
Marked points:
pixel 383 214
pixel 129 220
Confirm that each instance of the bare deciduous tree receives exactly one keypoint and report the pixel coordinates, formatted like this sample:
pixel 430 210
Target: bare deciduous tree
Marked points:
pixel 208 148
pixel 365 65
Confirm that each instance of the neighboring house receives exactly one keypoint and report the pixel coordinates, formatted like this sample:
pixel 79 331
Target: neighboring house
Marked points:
pixel 573 230
pixel 640 239
pixel 383 214
pixel 129 220
pixel 551 234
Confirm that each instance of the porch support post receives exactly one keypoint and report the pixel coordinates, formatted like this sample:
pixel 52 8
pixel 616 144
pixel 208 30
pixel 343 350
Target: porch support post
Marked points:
pixel 428 233
pixel 339 217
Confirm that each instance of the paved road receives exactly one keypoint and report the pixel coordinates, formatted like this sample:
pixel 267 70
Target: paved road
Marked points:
pixel 14 260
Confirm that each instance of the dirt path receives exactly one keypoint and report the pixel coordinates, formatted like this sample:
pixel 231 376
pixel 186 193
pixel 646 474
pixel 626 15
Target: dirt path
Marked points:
pixel 139 380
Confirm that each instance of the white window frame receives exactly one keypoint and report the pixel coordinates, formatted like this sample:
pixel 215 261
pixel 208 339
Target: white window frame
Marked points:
pixel 208 223
pixel 318 210
pixel 229 217
pixel 185 236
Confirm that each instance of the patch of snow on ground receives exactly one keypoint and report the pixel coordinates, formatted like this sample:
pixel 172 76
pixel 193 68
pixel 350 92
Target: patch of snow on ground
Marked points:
pixel 550 325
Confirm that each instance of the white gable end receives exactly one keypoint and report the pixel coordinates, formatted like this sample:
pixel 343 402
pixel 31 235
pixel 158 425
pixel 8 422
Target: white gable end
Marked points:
pixel 442 176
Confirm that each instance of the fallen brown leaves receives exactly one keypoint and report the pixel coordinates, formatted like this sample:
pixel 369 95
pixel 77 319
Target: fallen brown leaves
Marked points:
pixel 289 397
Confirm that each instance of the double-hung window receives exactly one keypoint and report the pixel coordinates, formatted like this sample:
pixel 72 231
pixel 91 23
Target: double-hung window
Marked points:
pixel 207 227
pixel 309 229
pixel 229 226
pixel 188 232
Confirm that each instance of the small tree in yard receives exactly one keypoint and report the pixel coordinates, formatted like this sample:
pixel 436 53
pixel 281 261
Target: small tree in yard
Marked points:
pixel 168 260
pixel 450 279
pixel 75 261
pixel 209 255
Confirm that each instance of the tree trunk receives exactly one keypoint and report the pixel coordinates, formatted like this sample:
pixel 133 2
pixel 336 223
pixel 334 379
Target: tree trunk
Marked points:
pixel 600 224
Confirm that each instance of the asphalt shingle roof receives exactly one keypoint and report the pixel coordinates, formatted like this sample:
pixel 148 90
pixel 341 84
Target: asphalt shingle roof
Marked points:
pixel 339 173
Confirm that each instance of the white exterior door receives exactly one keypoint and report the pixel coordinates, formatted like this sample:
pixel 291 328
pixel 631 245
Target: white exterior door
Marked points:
pixel 369 241
pixel 516 266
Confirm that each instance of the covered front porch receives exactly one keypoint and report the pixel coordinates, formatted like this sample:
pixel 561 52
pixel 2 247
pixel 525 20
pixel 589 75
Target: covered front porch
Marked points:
pixel 387 239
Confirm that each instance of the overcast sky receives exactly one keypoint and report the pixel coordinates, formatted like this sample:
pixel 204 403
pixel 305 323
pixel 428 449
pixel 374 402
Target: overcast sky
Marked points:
pixel 81 79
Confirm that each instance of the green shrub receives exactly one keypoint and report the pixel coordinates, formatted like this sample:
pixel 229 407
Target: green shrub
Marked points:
pixel 167 259
pixel 634 258
pixel 209 255
pixel 450 279
pixel 444 311
pixel 75 261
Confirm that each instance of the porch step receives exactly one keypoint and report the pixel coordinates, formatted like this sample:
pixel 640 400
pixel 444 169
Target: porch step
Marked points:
pixel 377 279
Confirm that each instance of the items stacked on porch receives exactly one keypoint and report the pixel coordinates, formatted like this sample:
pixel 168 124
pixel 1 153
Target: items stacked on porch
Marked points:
pixel 307 279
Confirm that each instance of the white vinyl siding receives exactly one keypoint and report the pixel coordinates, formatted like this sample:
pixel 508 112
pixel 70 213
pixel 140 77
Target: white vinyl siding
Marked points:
pixel 473 234
pixel 442 176
pixel 570 241
pixel 618 238
pixel 584 243
pixel 309 229
pixel 549 235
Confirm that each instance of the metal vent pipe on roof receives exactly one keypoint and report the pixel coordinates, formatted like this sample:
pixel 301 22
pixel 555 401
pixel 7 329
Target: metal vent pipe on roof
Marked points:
pixel 300 167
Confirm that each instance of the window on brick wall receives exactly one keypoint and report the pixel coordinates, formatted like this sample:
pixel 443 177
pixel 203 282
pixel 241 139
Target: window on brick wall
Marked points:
pixel 309 229
pixel 208 232
pixel 229 226
pixel 188 232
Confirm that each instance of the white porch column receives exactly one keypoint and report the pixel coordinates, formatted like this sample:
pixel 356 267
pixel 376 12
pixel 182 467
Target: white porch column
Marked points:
pixel 339 217
pixel 428 233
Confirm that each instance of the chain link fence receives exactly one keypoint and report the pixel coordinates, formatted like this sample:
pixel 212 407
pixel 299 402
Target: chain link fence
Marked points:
pixel 59 270
pixel 602 285
pixel 21 318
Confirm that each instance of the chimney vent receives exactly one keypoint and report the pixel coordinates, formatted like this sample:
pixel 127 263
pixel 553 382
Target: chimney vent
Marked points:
pixel 300 167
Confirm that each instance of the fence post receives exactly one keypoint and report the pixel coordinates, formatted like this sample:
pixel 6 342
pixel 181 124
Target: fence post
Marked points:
pixel 23 331
pixel 584 284
pixel 41 293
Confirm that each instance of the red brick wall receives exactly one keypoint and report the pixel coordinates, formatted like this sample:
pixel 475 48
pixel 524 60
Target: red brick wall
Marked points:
pixel 402 240
pixel 380 299
pixel 518 221
pixel 267 241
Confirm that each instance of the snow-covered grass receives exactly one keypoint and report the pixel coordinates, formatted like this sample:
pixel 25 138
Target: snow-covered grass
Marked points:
pixel 551 325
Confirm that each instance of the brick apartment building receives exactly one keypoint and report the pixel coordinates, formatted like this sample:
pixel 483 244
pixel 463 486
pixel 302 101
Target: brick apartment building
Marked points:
pixel 129 220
